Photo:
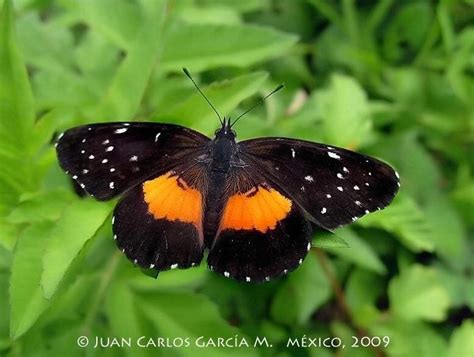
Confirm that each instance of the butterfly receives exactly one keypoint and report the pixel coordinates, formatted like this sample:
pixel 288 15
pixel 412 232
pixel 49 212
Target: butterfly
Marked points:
pixel 253 204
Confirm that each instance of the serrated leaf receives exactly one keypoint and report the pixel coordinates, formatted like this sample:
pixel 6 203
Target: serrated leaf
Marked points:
pixel 16 115
pixel 76 226
pixel 358 252
pixel 410 292
pixel 406 221
pixel 191 315
pixel 26 298
pixel 214 46
pixel 462 340
pixel 225 96
pixel 307 288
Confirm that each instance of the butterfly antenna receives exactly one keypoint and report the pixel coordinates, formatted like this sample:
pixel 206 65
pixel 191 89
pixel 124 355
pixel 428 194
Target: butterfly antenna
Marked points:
pixel 260 101
pixel 186 72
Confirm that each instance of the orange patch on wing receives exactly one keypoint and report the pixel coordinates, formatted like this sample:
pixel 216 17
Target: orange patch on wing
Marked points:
pixel 260 209
pixel 171 198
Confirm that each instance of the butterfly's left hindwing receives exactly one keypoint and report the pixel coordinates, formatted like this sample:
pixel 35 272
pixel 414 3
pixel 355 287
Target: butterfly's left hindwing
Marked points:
pixel 332 185
pixel 158 224
pixel 108 159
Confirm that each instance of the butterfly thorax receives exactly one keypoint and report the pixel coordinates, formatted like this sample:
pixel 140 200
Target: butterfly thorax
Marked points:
pixel 223 154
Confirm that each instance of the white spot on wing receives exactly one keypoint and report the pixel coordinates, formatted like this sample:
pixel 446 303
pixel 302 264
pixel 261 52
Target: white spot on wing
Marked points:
pixel 120 131
pixel 345 169
pixel 110 148
pixel 152 266
pixel 328 195
pixel 83 151
pixel 60 136
pixel 115 237
pixel 112 169
pixel 293 153
pixel 91 157
pixel 302 188
pixel 83 141
pixel 157 136
pixel 105 161
pixel 300 261
pixel 308 247
pixel 226 274
pixel 134 158
pixel 356 188
pixel 396 174
pixel 324 210
pixel 333 155
pixel 247 278
pixel 174 266
pixel 309 178
pixel 111 185
pixel 74 177
pixel 105 142
pixel 340 188
pixel 358 203
pixel 367 211
pixel 339 175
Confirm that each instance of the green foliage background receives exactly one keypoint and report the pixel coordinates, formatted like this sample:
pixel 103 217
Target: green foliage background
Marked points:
pixel 394 79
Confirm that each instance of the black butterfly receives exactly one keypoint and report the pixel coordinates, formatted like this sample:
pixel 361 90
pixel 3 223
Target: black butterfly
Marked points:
pixel 253 203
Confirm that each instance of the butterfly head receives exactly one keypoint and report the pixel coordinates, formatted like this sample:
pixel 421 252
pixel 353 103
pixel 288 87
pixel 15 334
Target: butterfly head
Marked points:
pixel 225 132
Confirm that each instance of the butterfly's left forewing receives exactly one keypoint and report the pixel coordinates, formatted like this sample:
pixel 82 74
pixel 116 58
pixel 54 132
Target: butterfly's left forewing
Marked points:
pixel 109 158
pixel 332 185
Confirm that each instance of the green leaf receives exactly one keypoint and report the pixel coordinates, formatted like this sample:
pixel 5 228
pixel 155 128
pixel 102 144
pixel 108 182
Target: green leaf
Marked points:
pixel 123 97
pixel 358 252
pixel 325 240
pixel 16 114
pixel 448 232
pixel 406 221
pixel 120 25
pixel 225 96
pixel 40 207
pixel 362 299
pixel 26 298
pixel 462 340
pixel 410 292
pixel 344 108
pixel 123 313
pixel 191 315
pixel 307 288
pixel 411 338
pixel 214 46
pixel 76 226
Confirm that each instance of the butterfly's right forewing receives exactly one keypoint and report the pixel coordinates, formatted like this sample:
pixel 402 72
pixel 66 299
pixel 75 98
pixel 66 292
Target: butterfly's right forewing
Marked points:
pixel 333 185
